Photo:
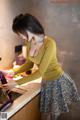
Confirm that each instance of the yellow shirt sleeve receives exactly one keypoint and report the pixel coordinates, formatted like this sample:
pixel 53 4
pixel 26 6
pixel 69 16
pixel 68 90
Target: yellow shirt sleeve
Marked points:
pixel 25 67
pixel 50 50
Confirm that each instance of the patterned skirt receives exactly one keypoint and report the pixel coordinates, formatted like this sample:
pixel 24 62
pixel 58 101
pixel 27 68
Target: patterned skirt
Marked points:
pixel 57 95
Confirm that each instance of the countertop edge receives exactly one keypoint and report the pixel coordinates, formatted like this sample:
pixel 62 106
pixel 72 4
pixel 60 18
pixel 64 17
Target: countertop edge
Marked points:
pixel 24 99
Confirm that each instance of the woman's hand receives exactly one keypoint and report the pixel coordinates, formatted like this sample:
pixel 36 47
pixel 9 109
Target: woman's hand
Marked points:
pixel 8 73
pixel 10 85
pixel 0 85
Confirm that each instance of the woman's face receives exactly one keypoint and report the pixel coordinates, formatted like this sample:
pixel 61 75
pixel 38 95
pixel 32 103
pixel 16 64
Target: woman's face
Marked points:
pixel 37 38
pixel 28 36
pixel 32 37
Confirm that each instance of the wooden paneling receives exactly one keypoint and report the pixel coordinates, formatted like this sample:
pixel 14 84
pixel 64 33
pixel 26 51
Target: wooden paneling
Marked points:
pixel 29 112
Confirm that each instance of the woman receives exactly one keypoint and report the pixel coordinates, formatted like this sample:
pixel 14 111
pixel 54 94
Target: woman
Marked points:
pixel 57 89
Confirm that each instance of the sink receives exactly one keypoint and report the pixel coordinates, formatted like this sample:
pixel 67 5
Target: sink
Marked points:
pixel 16 93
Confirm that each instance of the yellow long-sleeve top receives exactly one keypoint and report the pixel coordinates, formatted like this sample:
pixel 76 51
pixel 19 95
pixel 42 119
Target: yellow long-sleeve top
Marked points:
pixel 46 60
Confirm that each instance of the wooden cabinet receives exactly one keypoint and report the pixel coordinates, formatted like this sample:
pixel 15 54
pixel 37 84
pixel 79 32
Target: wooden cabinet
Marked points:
pixel 30 111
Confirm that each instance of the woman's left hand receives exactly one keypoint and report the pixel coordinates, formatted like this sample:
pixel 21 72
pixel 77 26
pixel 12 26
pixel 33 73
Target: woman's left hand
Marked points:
pixel 10 85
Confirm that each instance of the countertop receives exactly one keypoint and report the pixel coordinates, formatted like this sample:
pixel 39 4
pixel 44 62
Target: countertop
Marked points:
pixel 31 90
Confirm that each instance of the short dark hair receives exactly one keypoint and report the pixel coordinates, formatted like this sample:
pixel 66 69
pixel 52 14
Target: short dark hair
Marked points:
pixel 21 23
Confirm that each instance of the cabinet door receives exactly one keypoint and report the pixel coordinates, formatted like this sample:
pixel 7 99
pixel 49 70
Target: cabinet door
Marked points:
pixel 29 112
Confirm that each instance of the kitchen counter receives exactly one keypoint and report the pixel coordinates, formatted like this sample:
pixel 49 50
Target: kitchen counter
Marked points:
pixel 31 90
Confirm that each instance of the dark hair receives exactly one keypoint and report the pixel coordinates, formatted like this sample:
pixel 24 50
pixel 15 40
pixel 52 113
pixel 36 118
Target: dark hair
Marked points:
pixel 21 23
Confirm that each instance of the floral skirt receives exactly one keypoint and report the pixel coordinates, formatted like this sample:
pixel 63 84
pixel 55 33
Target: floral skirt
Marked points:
pixel 57 95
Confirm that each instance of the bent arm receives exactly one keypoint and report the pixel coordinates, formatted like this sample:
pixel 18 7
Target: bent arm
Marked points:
pixel 25 67
pixel 47 57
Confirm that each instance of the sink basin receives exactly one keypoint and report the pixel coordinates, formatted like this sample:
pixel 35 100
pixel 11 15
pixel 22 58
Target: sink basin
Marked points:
pixel 16 93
